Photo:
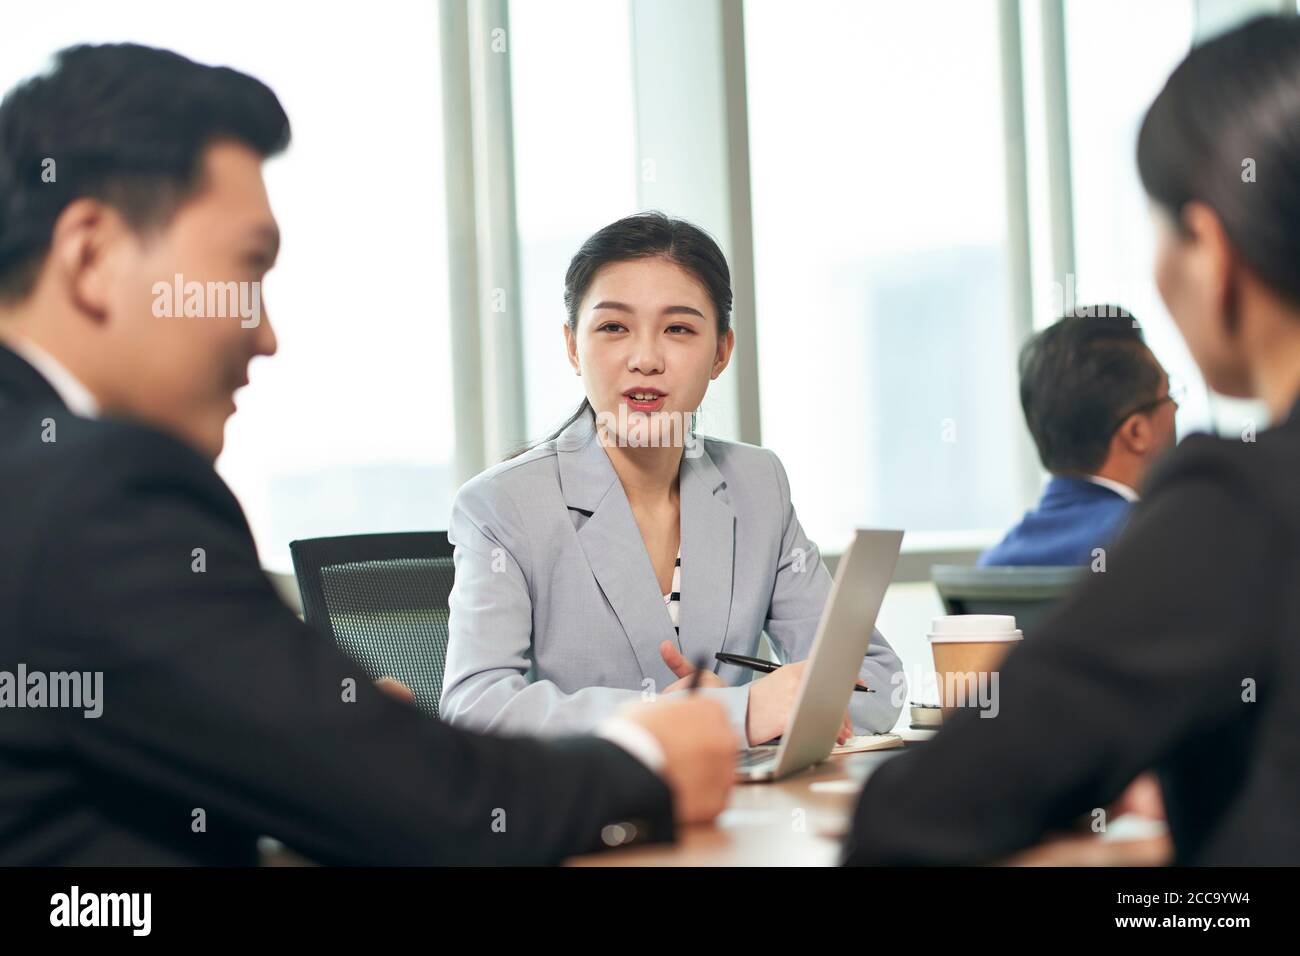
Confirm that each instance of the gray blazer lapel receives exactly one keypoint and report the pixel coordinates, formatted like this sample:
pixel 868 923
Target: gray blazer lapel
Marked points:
pixel 708 559
pixel 612 543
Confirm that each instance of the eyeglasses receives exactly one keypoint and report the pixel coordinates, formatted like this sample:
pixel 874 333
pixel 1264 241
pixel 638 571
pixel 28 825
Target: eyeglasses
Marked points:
pixel 1176 393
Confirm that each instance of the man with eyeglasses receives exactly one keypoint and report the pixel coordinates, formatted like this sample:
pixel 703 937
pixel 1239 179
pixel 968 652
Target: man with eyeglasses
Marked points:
pixel 1101 411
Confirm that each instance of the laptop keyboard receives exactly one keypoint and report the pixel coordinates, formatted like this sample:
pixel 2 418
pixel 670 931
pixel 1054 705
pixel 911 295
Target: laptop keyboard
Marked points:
pixel 753 758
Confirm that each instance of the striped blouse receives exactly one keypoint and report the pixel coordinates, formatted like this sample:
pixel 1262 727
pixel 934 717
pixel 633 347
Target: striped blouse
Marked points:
pixel 673 601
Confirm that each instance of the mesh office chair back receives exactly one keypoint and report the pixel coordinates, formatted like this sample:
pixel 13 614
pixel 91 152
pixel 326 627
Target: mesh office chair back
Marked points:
pixel 383 600
pixel 1030 593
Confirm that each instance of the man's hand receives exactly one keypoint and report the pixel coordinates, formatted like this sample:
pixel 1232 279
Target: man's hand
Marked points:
pixel 396 689
pixel 684 669
pixel 699 749
pixel 771 701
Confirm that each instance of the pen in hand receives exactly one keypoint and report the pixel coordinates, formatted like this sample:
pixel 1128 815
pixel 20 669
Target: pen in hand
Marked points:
pixel 696 674
pixel 767 667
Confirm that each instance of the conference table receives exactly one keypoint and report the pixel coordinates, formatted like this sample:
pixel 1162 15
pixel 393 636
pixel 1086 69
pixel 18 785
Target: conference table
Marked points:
pixel 799 821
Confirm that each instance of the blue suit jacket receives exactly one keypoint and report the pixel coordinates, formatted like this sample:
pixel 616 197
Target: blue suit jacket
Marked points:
pixel 556 615
pixel 1073 517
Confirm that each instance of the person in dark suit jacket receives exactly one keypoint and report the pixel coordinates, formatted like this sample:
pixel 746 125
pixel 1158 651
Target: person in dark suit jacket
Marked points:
pixel 1099 407
pixel 1184 656
pixel 158 704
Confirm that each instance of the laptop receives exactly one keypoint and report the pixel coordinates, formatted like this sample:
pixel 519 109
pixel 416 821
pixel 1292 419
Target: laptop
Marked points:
pixel 843 634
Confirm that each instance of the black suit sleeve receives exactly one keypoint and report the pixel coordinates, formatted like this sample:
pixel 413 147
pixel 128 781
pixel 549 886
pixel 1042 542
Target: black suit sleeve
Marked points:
pixel 216 697
pixel 1143 659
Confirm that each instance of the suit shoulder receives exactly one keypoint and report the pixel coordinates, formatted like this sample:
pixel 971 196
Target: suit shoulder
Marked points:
pixel 515 479
pixel 750 471
pixel 1203 455
pixel 738 455
pixel 91 463
pixel 108 449
pixel 1256 472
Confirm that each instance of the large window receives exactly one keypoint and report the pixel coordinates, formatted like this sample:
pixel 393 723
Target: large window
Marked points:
pixel 348 428
pixel 575 168
pixel 883 256
pixel 1119 55
pixel 880 234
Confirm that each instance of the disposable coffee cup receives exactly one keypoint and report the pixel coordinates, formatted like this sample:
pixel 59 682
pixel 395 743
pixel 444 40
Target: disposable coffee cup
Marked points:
pixel 968 650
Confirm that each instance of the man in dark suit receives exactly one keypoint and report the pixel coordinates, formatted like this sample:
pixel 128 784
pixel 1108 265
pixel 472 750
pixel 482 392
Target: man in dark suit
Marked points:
pixel 1099 408
pixel 158 704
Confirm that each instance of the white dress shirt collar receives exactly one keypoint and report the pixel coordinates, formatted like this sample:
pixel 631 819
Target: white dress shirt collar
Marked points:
pixel 1121 489
pixel 70 389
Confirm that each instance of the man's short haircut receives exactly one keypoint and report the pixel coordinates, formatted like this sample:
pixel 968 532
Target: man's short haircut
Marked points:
pixel 122 123
pixel 1079 379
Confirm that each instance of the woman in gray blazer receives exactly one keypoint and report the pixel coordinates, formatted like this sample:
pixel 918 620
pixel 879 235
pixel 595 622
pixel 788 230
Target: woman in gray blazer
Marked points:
pixel 597 567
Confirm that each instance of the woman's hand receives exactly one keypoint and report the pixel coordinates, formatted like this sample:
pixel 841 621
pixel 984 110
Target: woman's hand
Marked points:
pixel 1142 797
pixel 684 670
pixel 771 701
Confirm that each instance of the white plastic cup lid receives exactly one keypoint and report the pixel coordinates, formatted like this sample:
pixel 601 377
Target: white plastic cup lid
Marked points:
pixel 974 628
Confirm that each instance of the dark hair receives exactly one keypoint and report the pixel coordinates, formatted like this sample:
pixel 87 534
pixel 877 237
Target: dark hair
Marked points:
pixel 1233 99
pixel 125 124
pixel 1079 379
pixel 643 236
